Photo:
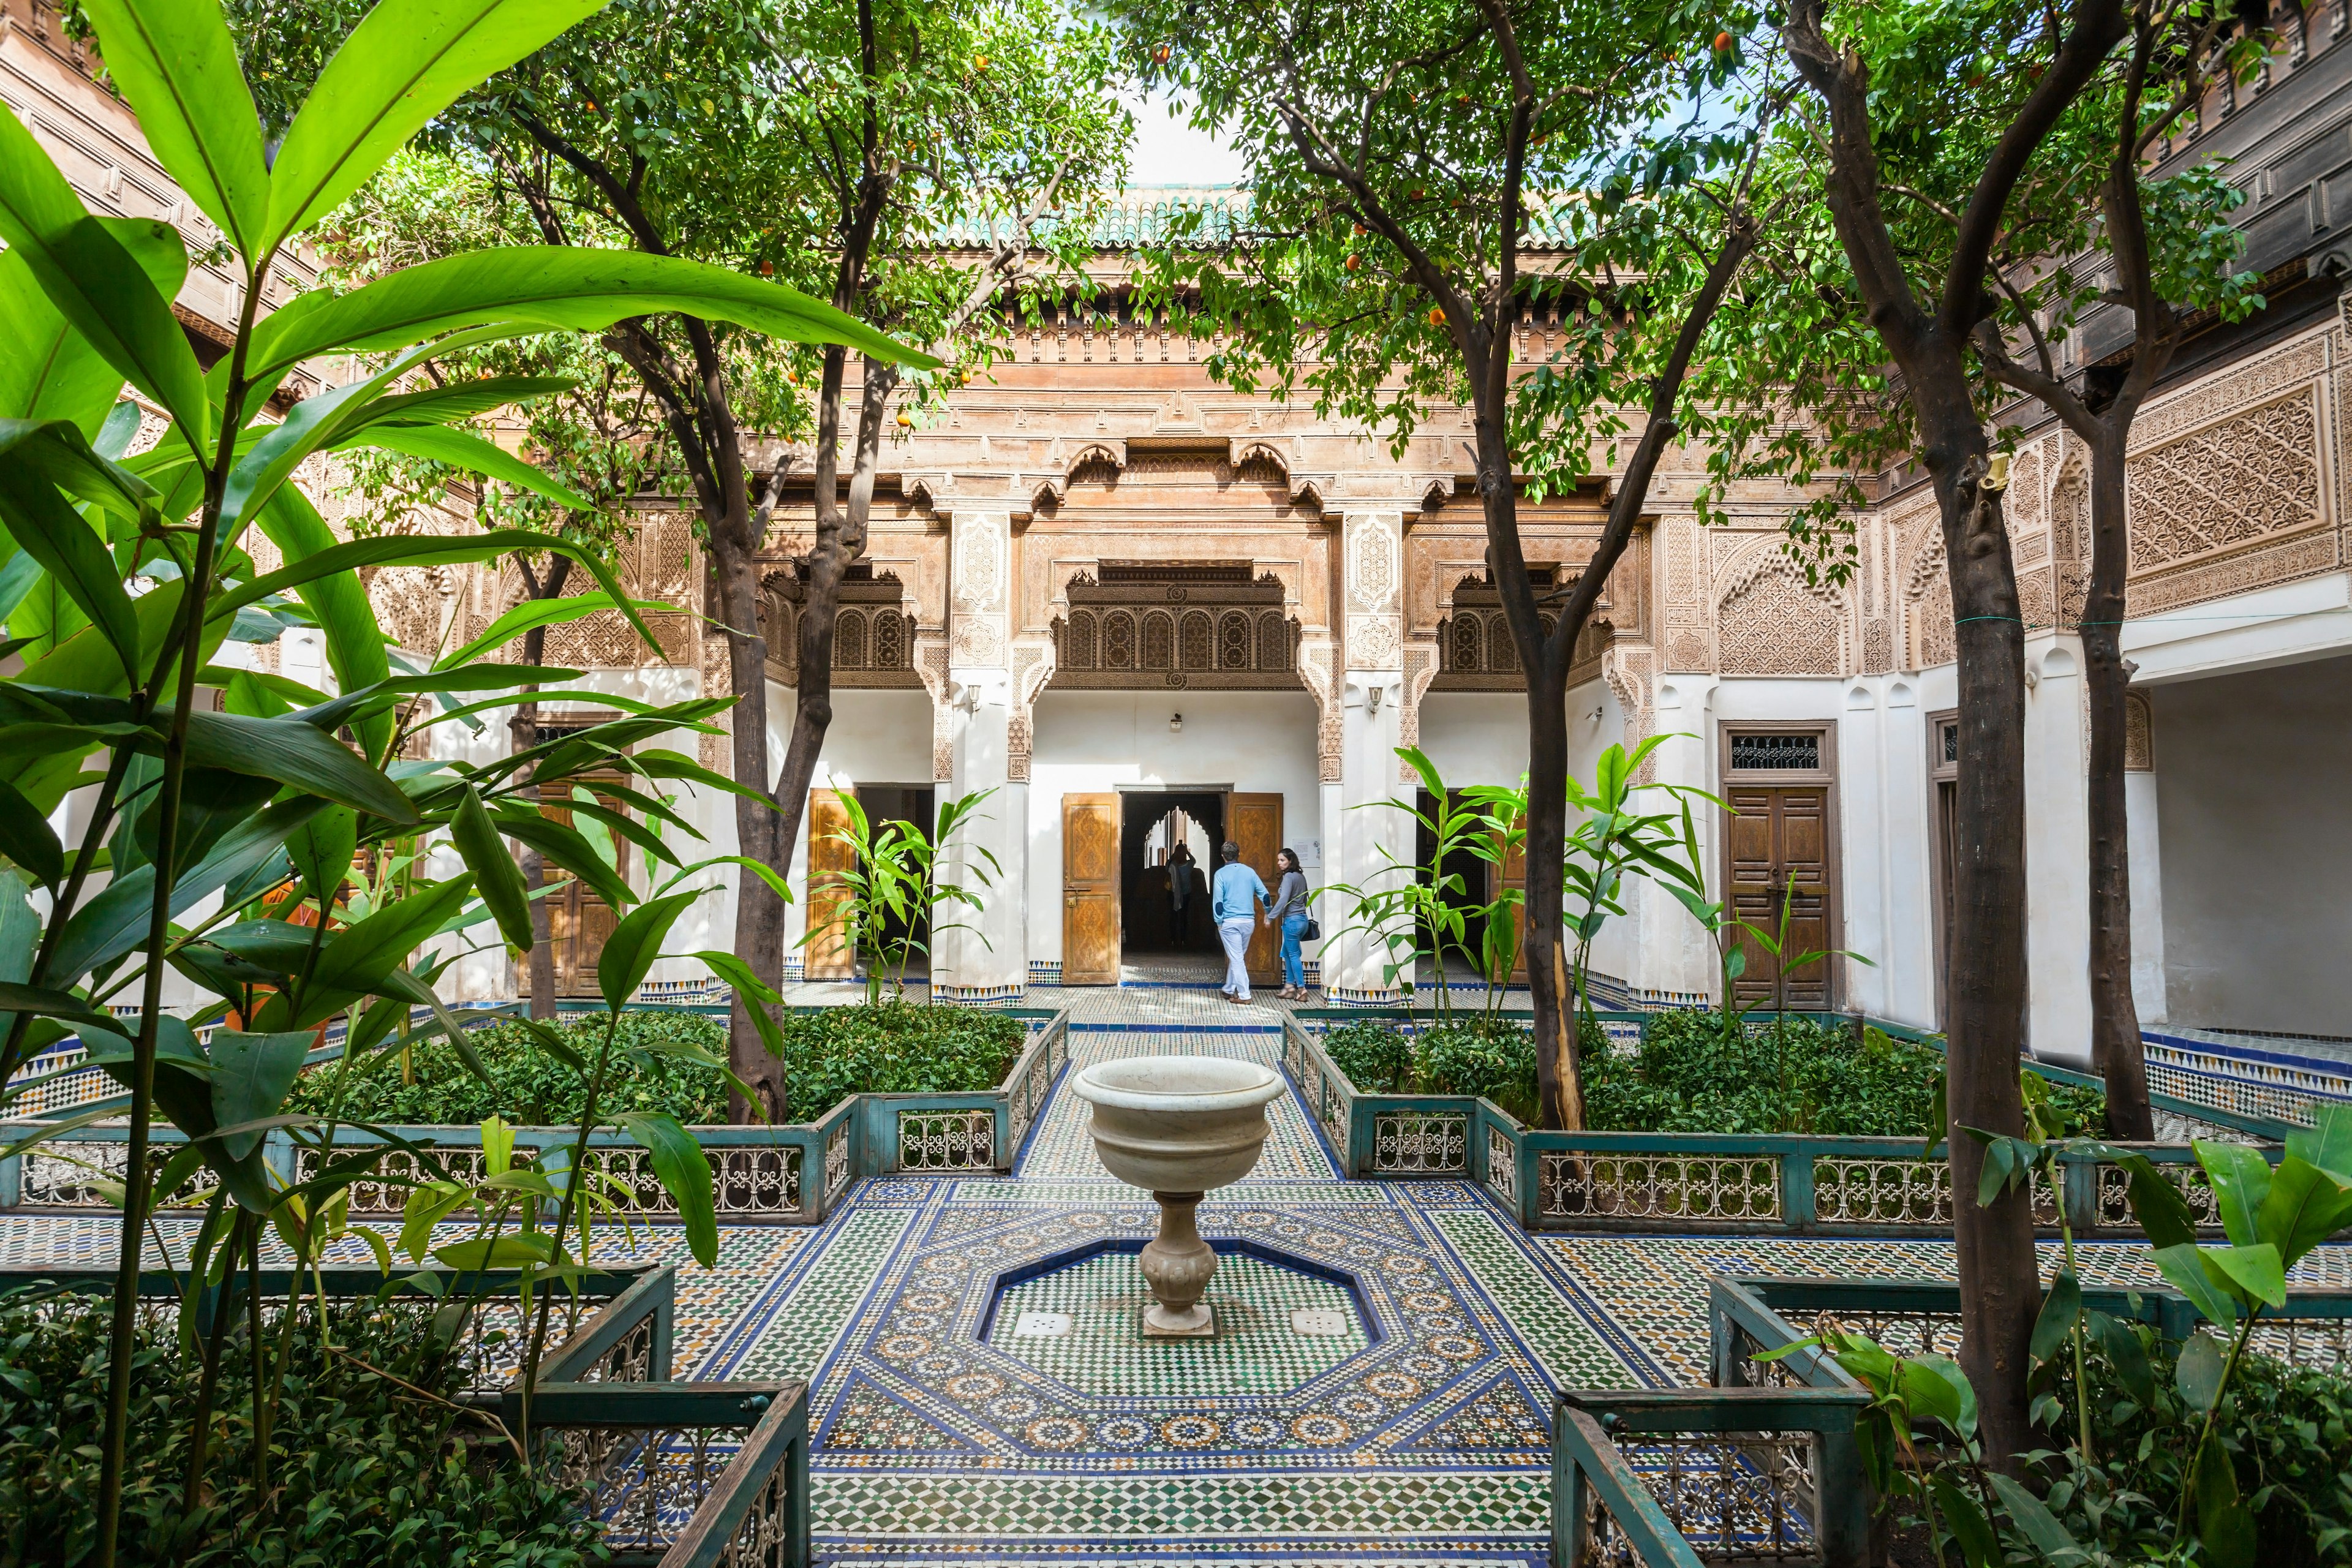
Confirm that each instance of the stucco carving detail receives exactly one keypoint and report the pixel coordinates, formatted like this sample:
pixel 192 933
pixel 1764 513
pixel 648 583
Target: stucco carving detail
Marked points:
pixel 1770 623
pixel 2247 479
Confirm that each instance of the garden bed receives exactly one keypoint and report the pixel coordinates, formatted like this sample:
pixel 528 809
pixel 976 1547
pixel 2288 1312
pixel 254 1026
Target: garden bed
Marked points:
pixel 830 1053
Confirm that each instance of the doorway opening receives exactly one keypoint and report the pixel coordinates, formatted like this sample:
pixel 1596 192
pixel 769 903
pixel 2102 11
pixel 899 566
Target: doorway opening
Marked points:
pixel 1121 854
pixel 1779 853
pixel 914 803
pixel 1474 890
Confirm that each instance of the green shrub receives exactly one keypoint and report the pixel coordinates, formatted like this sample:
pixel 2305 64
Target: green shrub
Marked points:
pixel 893 1049
pixel 528 1088
pixel 1808 1076
pixel 362 1470
pixel 1491 1056
pixel 1376 1056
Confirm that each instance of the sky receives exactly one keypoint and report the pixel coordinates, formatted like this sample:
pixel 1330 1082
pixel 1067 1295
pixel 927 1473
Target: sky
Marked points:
pixel 1168 152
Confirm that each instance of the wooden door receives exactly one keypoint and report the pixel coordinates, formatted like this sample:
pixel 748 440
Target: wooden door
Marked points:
pixel 578 922
pixel 1090 916
pixel 827 955
pixel 1511 875
pixel 1255 823
pixel 1777 847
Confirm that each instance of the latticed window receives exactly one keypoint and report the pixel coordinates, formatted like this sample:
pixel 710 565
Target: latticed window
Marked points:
pixel 1951 741
pixel 1502 649
pixel 849 641
pixel 1272 642
pixel 1233 641
pixel 1078 642
pixel 1158 642
pixel 1465 645
pixel 1118 641
pixel 890 640
pixel 1776 754
pixel 1195 642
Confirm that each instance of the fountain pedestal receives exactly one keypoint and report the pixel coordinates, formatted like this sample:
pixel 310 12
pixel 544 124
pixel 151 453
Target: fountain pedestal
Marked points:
pixel 1178 1127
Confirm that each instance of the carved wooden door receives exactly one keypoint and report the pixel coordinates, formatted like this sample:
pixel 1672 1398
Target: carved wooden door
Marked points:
pixel 826 955
pixel 578 922
pixel 1256 823
pixel 1090 916
pixel 1777 848
pixel 1511 875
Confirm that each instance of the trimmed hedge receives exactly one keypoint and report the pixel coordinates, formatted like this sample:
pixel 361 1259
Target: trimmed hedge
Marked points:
pixel 893 1049
pixel 1792 1074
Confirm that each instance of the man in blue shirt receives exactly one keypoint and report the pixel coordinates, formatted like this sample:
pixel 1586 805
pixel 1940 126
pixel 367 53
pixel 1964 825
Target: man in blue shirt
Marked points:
pixel 1235 893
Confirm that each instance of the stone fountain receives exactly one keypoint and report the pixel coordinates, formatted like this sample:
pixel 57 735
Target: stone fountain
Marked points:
pixel 1178 1127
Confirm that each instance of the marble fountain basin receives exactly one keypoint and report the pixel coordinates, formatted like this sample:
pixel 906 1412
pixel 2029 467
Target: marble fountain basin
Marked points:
pixel 1178 1127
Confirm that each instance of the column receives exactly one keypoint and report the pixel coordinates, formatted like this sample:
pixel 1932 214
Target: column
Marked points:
pixel 986 958
pixel 2057 853
pixel 1366 845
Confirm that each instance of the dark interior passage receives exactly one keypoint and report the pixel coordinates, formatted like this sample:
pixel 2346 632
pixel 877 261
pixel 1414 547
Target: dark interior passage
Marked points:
pixel 904 803
pixel 1164 835
pixel 1475 879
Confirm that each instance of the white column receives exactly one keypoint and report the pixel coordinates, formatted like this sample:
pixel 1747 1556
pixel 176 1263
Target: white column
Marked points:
pixel 987 959
pixel 1667 955
pixel 2057 853
pixel 2147 861
pixel 1365 844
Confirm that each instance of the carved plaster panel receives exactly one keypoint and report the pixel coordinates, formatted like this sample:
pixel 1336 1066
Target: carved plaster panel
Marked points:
pixel 1317 661
pixel 1375 582
pixel 1419 666
pixel 976 634
pixel 2252 477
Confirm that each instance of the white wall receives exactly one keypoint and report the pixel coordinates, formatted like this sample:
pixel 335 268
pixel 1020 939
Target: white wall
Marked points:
pixel 1477 737
pixel 877 737
pixel 2255 818
pixel 1096 741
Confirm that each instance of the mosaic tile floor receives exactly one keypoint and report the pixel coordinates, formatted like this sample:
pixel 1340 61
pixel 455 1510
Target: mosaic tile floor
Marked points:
pixel 1416 1434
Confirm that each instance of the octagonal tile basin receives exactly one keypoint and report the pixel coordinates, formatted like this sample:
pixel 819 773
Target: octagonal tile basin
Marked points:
pixel 1178 1124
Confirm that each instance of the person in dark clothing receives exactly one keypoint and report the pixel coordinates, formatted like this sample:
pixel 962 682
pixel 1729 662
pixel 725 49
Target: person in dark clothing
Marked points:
pixel 1183 894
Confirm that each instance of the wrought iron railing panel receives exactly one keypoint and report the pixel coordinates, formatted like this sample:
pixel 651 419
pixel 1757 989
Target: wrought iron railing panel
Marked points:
pixel 1418 1142
pixel 1503 1166
pixel 961 1140
pixel 1582 1184
pixel 1734 1498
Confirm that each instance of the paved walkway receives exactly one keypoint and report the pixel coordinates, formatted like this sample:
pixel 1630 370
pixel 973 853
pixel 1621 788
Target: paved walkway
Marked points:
pixel 1379 1393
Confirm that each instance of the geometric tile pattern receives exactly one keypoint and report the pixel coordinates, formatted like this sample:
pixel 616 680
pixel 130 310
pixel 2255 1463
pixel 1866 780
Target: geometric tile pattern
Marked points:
pixel 1420 1437
pixel 1104 1350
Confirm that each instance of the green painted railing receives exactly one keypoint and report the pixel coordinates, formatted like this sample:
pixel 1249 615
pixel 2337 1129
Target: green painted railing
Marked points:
pixel 1748 1314
pixel 1683 1476
pixel 604 1413
pixel 792 1175
pixel 1760 1183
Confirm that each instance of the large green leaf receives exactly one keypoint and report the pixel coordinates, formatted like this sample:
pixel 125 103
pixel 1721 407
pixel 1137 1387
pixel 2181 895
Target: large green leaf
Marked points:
pixel 2327 1141
pixel 251 1074
pixel 394 550
pixel 115 922
pixel 2305 1206
pixel 636 940
pixel 51 371
pixel 495 871
pixel 2164 1214
pixel 2241 1180
pixel 404 63
pixel 177 64
pixel 94 282
pixel 2184 1266
pixel 435 407
pixel 337 601
pixel 529 615
pixel 2059 1308
pixel 292 752
pixel 357 961
pixel 555 286
pixel 683 1171
pixel 2254 1270
pixel 465 449
pixel 26 837
pixel 57 536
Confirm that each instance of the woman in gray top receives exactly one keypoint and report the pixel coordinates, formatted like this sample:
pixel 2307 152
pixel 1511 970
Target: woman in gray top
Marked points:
pixel 1288 911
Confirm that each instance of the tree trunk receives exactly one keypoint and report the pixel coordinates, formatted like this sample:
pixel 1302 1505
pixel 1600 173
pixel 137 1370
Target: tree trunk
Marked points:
pixel 1559 1077
pixel 1985 983
pixel 759 912
pixel 2116 1051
